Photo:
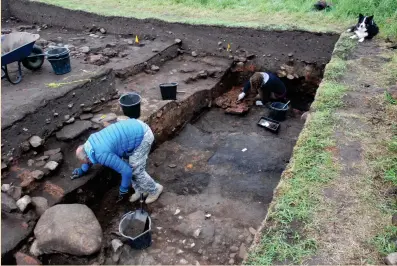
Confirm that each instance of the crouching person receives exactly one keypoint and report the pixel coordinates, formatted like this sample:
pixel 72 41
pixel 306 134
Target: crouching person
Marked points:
pixel 124 147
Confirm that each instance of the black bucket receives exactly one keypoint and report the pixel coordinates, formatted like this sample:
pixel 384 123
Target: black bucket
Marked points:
pixel 141 241
pixel 131 104
pixel 168 90
pixel 60 60
pixel 278 111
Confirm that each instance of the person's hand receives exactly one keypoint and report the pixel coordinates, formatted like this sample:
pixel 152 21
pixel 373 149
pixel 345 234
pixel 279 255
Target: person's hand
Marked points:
pixel 78 172
pixel 241 96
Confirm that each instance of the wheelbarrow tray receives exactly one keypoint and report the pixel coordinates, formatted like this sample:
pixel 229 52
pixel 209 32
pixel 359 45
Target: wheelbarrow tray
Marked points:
pixel 16 47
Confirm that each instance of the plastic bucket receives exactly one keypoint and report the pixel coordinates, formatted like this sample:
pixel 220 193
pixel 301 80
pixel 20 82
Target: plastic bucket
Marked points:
pixel 60 60
pixel 168 90
pixel 278 111
pixel 131 104
pixel 141 241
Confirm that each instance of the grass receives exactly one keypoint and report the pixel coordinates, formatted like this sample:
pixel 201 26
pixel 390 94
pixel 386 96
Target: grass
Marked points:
pixel 384 242
pixel 286 14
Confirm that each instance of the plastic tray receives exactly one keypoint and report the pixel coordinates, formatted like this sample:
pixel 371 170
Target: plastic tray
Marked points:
pixel 269 124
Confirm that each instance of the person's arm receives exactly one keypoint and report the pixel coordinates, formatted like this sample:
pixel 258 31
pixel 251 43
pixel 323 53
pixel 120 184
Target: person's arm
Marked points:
pixel 116 163
pixel 246 90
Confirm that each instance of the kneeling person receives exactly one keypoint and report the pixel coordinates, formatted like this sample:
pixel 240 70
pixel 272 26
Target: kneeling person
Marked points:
pixel 267 85
pixel 128 139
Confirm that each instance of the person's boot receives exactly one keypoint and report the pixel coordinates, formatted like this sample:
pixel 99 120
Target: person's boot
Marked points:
pixel 136 196
pixel 154 197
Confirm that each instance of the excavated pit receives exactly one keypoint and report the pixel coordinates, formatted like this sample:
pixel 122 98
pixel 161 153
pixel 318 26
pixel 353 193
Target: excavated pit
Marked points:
pixel 209 162
pixel 218 164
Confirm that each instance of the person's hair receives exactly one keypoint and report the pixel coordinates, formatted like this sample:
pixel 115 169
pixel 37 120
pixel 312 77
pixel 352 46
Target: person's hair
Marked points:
pixel 81 154
pixel 256 81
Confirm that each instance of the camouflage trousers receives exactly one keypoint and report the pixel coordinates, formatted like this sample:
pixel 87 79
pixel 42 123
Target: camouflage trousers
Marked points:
pixel 141 181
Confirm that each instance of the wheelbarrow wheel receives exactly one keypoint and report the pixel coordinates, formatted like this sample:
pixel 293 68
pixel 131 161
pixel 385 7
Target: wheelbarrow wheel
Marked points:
pixel 34 62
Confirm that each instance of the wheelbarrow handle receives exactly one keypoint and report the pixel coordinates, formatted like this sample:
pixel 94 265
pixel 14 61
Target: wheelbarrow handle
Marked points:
pixel 36 55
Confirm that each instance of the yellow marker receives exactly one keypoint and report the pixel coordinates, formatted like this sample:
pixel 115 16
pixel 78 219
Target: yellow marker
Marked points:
pixel 102 117
pixel 228 47
pixel 136 39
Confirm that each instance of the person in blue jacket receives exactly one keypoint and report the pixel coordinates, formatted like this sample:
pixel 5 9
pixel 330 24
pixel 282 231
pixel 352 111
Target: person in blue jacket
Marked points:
pixel 267 85
pixel 128 139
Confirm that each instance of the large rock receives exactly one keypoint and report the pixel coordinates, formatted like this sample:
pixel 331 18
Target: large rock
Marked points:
pixel 74 130
pixel 7 203
pixel 68 228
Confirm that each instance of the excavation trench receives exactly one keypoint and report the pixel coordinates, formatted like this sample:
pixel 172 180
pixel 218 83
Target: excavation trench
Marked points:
pixel 218 164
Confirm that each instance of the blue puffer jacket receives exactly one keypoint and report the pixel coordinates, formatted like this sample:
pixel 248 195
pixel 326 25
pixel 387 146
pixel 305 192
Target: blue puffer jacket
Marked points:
pixel 108 146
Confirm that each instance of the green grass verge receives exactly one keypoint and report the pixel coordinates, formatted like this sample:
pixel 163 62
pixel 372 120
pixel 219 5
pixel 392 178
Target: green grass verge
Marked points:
pixel 286 14
pixel 312 166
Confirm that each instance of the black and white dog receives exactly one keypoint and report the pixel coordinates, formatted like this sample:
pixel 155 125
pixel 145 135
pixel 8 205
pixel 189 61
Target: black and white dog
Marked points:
pixel 364 29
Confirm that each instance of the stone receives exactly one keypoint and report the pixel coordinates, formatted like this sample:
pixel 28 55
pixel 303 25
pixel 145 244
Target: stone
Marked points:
pixel 111 44
pixel 30 162
pixel 85 49
pixel 51 165
pixel 5 188
pixel 183 262
pixel 25 146
pixel 242 252
pixel 69 228
pixel 194 54
pixel 393 219
pixel 56 157
pixel 391 259
pixel 251 56
pixel 233 248
pixel 34 250
pixel 70 120
pixel 154 68
pixel 3 165
pixel 172 165
pixel 23 202
pixel 98 59
pixel 240 64
pixel 289 76
pixel 23 259
pixel 40 204
pixel 102 118
pixel 8 204
pixel 291 54
pixel 42 158
pixel 36 141
pixel 122 117
pixel 197 232
pixel 305 116
pixel 40 163
pixel 52 152
pixel 219 43
pixel 231 261
pixel 202 74
pixel 86 116
pixel 109 52
pixel 232 255
pixel 179 251
pixel 240 59
pixel 116 244
pixel 74 130
pixel 102 30
pixel 15 192
pixel 25 27
pixel 178 41
pixel 252 230
pixel 70 106
pixel 155 50
pixel 37 174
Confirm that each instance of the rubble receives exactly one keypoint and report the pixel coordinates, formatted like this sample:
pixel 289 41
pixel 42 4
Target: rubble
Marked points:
pixel 36 141
pixel 3 165
pixel 116 244
pixel 30 162
pixel 23 202
pixel 23 259
pixel 178 41
pixel 98 59
pixel 242 252
pixel 40 204
pixel 37 174
pixel 5 187
pixel 52 152
pixel 34 250
pixel 25 146
pixel 109 52
pixel 194 54
pixel 102 30
pixel 58 157
pixel 8 204
pixel 155 68
pixel 51 165
pixel 391 259
pixel 15 192
pixel 85 49
pixel 70 120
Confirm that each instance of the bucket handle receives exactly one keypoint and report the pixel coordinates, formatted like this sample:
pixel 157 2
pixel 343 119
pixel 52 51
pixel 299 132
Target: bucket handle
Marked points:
pixel 132 238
